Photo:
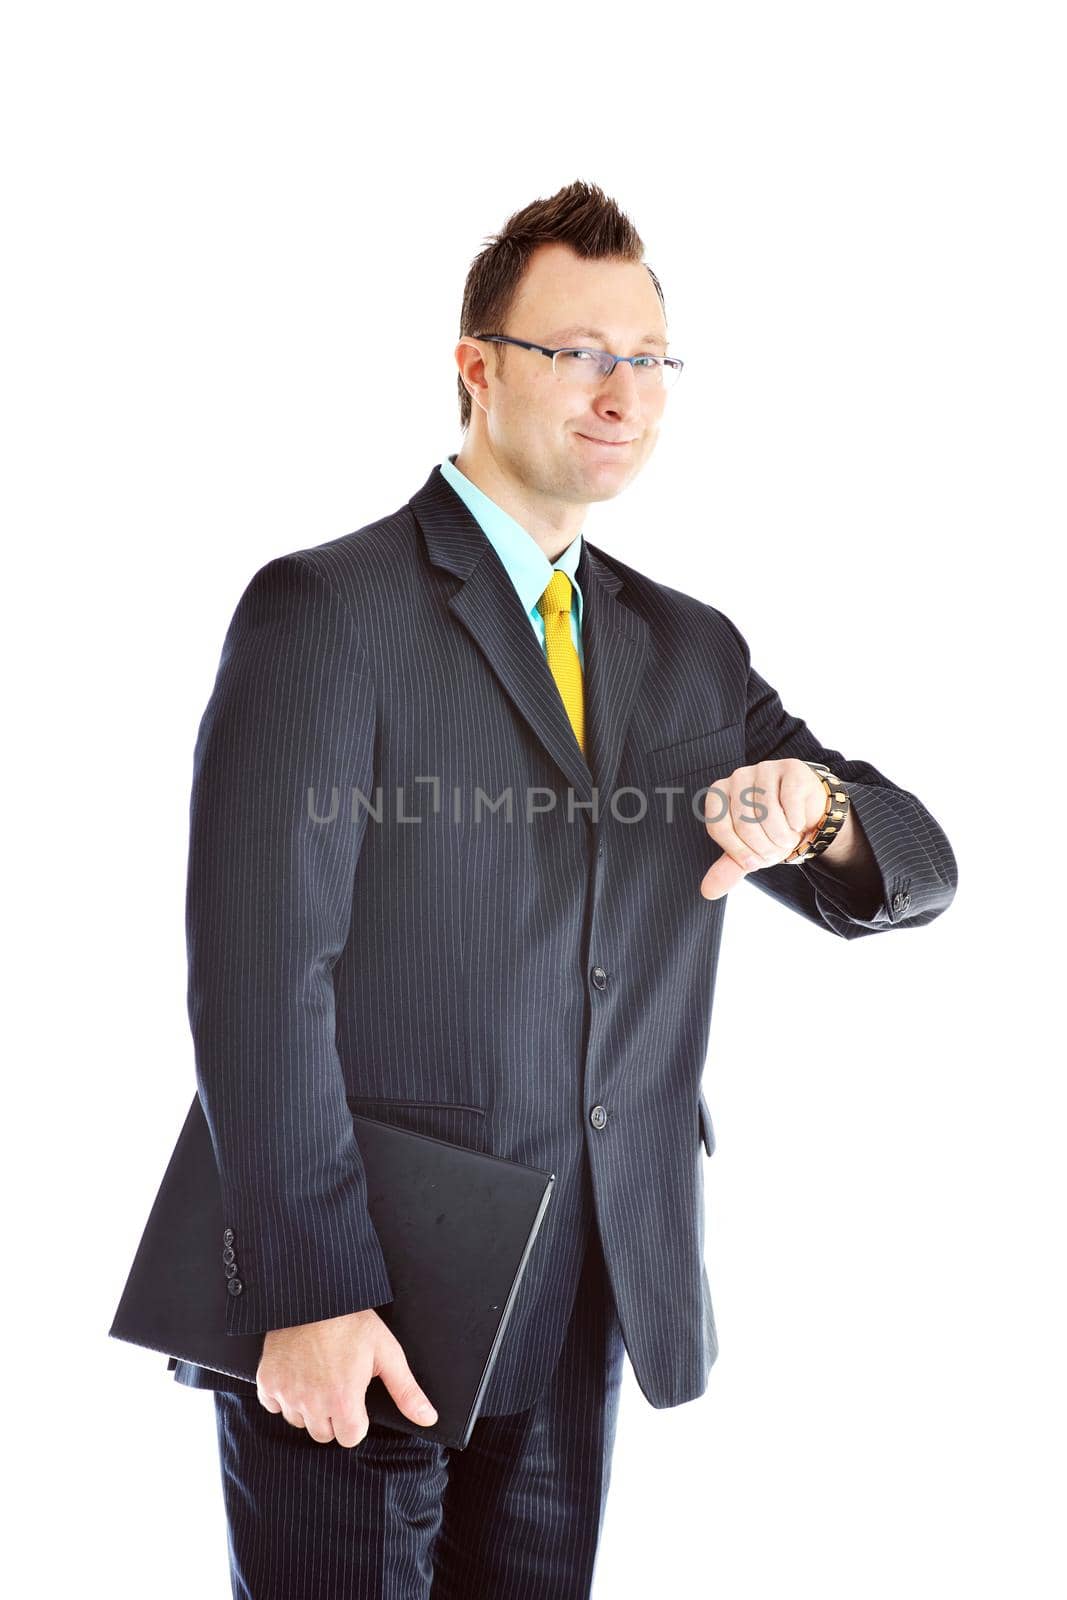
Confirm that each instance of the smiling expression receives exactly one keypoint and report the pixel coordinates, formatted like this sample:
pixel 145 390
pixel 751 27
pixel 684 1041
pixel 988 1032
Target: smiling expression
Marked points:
pixel 560 439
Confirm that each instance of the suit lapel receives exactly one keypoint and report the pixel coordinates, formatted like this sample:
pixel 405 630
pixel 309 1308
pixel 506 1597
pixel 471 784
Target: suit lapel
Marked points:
pixel 614 640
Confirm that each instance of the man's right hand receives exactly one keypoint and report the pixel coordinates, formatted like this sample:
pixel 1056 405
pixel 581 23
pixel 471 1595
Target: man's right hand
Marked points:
pixel 317 1375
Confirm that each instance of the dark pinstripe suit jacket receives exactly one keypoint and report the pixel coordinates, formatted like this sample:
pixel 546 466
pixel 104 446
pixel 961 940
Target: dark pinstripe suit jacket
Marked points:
pixel 539 988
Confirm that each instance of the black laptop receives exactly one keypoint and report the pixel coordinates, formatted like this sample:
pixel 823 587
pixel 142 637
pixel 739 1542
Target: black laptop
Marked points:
pixel 456 1228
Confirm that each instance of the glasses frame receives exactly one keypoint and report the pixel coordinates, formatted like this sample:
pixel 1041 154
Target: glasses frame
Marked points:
pixel 675 363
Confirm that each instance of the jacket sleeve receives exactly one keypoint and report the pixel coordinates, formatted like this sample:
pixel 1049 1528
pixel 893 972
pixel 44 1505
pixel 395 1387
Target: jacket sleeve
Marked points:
pixel 915 860
pixel 268 907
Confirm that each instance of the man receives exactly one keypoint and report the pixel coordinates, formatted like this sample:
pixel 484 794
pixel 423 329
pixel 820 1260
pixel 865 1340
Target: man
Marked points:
pixel 530 975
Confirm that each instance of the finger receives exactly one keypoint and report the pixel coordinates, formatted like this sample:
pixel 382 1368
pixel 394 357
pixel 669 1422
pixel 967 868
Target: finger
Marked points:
pixel 267 1401
pixel 320 1429
pixel 758 817
pixel 294 1418
pixel 725 873
pixel 722 876
pixel 350 1429
pixel 393 1369
pixel 801 795
pixel 722 807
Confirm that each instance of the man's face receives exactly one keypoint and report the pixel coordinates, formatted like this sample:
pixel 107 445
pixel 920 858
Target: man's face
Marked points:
pixel 543 430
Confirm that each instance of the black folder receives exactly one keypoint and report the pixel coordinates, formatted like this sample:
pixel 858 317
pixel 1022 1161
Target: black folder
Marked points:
pixel 456 1228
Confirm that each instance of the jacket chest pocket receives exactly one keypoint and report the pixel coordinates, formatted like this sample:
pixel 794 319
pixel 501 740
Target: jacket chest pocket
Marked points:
pixel 702 758
pixel 682 770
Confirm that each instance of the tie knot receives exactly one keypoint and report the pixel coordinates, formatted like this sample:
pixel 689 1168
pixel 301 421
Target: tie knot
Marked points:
pixel 557 595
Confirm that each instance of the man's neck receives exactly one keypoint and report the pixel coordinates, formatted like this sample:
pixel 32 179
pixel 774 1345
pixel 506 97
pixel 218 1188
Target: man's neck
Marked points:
pixel 552 524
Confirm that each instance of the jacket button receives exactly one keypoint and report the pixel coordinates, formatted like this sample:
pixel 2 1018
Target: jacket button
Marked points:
pixel 600 978
pixel 231 1269
pixel 598 1116
pixel 235 1286
pixel 227 1236
pixel 901 902
pixel 229 1254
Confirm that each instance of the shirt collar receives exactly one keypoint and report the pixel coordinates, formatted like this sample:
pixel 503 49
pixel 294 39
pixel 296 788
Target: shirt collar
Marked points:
pixel 524 561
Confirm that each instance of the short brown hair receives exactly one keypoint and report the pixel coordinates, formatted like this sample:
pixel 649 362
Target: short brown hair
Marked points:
pixel 581 216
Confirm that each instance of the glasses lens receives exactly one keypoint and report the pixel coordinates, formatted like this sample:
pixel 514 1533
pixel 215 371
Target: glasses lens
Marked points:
pixel 590 367
pixel 587 367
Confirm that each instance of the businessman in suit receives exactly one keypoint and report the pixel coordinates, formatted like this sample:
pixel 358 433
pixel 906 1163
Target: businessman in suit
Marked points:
pixel 452 864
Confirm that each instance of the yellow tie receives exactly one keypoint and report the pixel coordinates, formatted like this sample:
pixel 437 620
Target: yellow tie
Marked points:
pixel 564 663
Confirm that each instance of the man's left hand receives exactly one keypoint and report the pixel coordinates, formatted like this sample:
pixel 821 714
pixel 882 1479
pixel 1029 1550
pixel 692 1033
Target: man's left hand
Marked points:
pixel 762 813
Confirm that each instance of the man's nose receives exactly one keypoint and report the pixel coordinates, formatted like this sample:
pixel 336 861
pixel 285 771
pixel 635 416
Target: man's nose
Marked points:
pixel 620 388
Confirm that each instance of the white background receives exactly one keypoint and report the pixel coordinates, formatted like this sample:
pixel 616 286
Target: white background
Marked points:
pixel 237 240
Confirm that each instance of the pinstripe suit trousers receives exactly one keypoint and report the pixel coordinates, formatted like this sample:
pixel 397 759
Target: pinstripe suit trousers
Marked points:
pixel 516 1515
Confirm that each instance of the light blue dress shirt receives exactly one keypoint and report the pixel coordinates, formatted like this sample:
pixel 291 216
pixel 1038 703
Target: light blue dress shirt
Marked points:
pixel 524 561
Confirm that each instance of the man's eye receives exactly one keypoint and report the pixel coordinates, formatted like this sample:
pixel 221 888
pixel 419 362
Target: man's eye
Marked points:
pixel 579 355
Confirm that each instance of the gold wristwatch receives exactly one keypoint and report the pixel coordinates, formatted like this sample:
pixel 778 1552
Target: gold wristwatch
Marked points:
pixel 831 821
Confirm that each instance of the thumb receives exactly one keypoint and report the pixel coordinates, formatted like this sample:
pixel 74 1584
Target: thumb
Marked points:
pixel 723 875
pixel 400 1381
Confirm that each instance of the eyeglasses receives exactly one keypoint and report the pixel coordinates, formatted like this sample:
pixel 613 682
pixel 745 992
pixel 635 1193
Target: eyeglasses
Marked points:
pixel 590 367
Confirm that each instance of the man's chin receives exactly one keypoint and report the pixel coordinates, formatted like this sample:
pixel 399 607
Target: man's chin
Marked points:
pixel 607 491
pixel 605 482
